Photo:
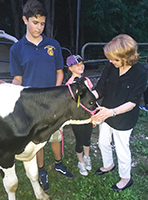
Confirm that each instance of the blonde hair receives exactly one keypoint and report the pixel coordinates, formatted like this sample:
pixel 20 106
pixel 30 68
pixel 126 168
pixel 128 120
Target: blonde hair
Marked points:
pixel 124 48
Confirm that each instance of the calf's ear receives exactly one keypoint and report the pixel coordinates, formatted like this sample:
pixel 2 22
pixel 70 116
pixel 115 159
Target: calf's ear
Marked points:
pixel 80 93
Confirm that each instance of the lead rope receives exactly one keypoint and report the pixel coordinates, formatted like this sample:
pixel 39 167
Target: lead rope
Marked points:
pixel 91 112
pixel 62 142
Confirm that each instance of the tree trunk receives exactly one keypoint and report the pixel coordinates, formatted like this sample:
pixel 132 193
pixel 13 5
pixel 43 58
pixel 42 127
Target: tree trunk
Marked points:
pixel 15 18
pixel 71 24
pixel 50 7
pixel 78 25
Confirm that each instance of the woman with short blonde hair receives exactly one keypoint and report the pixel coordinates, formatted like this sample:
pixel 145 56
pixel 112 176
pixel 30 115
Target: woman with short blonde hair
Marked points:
pixel 121 85
pixel 123 48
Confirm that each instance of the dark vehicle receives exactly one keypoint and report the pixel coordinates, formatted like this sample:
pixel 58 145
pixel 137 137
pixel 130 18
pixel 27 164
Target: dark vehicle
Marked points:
pixel 6 41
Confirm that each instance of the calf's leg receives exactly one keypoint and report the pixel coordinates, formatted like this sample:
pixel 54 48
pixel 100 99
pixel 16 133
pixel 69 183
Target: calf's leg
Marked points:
pixel 32 173
pixel 10 182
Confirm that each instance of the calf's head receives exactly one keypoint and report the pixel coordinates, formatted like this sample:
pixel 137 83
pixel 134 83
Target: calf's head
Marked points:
pixel 85 100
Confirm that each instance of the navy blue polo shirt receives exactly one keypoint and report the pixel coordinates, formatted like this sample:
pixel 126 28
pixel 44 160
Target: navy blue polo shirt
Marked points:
pixel 36 64
pixel 117 90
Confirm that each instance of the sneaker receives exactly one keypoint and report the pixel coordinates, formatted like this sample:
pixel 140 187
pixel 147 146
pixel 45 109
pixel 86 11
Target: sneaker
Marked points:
pixel 62 169
pixel 143 108
pixel 43 180
pixel 82 168
pixel 87 162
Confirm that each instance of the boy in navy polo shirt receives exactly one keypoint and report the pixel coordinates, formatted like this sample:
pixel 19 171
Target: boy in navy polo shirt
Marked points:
pixel 37 61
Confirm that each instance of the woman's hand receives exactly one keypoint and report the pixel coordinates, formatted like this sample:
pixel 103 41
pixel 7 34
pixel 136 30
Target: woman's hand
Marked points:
pixel 102 115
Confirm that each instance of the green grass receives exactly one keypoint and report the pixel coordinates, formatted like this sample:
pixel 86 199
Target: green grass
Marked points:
pixel 92 187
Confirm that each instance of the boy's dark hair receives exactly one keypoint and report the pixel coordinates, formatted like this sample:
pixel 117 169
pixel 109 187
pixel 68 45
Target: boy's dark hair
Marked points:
pixel 34 8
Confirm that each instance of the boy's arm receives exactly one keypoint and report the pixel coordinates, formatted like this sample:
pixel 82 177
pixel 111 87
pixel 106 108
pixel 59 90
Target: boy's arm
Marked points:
pixel 17 80
pixel 60 76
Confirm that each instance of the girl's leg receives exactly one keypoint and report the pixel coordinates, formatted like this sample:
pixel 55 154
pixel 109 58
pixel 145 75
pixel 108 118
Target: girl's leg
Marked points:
pixel 86 158
pixel 79 138
pixel 80 157
pixel 87 131
pixel 86 151
pixel 77 129
pixel 86 145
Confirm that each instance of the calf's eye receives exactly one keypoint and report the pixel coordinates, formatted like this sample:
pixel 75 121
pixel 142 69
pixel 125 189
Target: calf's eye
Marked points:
pixel 91 102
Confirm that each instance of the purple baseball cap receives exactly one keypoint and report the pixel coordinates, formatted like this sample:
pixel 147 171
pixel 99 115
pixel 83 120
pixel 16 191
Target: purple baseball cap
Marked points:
pixel 73 60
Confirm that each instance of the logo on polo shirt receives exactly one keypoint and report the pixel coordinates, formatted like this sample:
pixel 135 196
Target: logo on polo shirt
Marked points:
pixel 50 49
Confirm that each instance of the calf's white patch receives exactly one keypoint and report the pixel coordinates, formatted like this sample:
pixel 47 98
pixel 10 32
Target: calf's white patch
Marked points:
pixel 9 94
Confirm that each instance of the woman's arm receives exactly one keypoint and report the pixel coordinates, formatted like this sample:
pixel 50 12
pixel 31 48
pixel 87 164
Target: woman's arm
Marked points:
pixel 105 113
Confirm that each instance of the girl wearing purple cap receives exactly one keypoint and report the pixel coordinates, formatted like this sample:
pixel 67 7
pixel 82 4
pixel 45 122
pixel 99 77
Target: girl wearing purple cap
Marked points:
pixel 82 132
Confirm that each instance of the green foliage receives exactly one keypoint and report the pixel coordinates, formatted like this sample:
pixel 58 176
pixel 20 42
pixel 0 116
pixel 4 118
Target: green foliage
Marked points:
pixel 105 19
pixel 100 20
pixel 142 168
pixel 141 146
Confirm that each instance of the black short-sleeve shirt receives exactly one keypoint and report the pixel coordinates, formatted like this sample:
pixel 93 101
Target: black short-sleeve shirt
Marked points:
pixel 117 90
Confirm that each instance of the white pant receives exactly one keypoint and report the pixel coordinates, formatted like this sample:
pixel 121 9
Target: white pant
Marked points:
pixel 121 139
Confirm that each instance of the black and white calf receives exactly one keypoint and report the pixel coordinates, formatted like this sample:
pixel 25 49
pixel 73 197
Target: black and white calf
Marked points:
pixel 28 117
